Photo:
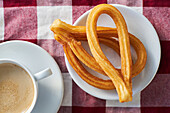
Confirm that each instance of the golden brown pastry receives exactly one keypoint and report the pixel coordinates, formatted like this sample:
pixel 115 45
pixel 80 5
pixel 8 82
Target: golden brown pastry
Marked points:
pixel 70 36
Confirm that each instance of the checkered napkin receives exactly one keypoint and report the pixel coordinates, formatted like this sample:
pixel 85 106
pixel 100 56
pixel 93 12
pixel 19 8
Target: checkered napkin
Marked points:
pixel 30 20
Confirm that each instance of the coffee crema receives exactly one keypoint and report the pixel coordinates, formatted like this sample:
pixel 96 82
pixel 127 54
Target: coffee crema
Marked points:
pixel 16 89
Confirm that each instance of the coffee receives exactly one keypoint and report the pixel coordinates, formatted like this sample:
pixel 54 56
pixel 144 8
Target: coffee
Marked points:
pixel 16 89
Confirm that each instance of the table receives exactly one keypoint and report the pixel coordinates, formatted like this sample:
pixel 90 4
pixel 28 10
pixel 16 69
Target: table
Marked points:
pixel 30 20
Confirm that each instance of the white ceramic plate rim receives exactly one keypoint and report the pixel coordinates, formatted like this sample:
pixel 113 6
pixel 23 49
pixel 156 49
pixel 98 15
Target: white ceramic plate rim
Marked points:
pixel 74 77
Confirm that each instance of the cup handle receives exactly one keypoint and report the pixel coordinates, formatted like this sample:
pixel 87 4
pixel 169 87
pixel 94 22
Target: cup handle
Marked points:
pixel 43 74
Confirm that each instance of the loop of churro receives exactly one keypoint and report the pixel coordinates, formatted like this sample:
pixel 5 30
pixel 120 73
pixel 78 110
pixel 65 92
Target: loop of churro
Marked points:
pixel 123 85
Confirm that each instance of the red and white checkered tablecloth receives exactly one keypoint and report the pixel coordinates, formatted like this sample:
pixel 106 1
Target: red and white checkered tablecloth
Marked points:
pixel 30 20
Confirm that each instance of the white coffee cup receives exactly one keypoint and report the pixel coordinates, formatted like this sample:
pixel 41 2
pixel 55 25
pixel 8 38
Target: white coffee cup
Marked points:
pixel 35 77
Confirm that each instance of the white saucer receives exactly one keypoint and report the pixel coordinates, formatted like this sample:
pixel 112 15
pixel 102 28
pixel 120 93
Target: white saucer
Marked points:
pixel 139 26
pixel 36 59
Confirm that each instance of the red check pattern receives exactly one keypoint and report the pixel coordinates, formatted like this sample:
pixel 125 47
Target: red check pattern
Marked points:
pixel 29 20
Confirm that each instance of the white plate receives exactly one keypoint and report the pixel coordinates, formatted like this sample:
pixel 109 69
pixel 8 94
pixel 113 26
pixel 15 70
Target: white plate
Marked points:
pixel 36 59
pixel 141 28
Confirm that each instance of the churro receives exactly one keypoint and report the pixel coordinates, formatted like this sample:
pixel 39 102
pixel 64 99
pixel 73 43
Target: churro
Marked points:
pixel 121 79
